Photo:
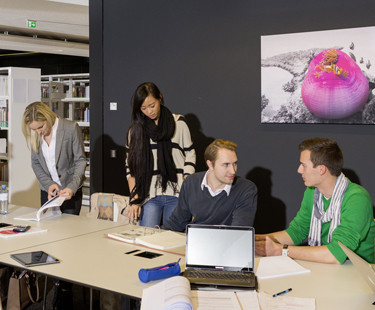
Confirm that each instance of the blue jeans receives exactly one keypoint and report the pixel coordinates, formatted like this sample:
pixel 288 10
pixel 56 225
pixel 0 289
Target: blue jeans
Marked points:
pixel 155 208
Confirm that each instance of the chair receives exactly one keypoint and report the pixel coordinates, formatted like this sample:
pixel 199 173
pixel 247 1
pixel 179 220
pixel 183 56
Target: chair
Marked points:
pixel 108 206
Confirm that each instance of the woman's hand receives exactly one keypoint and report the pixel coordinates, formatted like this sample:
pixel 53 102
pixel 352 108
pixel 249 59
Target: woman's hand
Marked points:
pixel 53 190
pixel 133 212
pixel 67 193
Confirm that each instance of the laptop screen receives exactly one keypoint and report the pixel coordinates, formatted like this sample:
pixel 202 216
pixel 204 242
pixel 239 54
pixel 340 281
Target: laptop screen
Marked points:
pixel 220 247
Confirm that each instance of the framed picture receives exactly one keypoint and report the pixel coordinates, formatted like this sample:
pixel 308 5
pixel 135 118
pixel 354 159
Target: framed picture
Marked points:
pixel 319 77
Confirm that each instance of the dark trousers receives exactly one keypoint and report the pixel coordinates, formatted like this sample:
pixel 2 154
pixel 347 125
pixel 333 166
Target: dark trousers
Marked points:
pixel 71 206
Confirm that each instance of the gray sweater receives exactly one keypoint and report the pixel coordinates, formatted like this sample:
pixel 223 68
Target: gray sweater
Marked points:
pixel 199 207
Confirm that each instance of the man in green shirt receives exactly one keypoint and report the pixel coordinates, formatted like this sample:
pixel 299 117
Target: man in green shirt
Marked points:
pixel 333 209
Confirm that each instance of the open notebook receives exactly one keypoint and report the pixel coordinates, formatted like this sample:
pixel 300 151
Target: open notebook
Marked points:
pixel 219 255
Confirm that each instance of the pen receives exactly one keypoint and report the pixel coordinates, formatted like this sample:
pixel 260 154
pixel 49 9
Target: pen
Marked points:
pixel 282 293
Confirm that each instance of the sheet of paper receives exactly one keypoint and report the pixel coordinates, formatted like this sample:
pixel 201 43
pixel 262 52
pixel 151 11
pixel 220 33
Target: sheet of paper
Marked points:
pixel 267 302
pixel 215 300
pixel 278 266
pixel 248 299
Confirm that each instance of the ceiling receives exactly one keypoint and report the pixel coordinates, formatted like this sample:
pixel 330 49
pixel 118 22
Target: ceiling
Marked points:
pixel 62 26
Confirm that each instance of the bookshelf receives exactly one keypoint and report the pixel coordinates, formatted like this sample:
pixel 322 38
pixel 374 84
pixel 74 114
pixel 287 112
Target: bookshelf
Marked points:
pixel 18 88
pixel 68 95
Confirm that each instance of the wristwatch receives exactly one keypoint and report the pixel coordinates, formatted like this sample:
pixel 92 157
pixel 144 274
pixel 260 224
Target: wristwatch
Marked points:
pixel 285 250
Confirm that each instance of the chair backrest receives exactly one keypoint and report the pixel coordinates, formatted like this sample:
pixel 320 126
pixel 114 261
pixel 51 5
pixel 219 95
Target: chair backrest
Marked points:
pixel 109 206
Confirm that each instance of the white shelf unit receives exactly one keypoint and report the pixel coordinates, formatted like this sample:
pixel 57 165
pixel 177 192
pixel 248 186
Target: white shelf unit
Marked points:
pixel 68 95
pixel 21 88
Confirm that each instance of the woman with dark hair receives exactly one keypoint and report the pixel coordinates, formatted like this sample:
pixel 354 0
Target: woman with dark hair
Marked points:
pixel 160 155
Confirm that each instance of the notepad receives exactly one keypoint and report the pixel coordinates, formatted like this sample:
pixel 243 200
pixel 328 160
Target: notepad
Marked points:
pixel 278 266
pixel 7 232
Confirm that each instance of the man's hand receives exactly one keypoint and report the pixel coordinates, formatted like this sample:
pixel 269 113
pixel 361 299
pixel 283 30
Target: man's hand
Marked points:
pixel 265 246
pixel 133 212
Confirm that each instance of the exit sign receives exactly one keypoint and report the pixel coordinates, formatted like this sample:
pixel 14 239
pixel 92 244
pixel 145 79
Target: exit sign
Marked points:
pixel 31 24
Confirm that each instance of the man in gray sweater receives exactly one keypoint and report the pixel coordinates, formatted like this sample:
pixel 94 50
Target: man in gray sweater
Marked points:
pixel 217 196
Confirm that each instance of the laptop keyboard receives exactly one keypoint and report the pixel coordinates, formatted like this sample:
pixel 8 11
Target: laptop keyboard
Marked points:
pixel 224 275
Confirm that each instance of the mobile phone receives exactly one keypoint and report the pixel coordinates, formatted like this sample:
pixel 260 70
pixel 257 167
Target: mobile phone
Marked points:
pixel 21 228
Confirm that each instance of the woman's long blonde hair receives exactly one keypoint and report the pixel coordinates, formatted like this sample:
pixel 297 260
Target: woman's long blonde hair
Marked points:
pixel 36 112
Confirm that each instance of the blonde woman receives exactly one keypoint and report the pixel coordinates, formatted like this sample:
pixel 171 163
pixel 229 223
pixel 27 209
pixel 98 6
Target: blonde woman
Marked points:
pixel 57 155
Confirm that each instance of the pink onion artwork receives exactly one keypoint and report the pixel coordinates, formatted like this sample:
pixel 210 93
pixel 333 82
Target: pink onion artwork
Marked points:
pixel 334 87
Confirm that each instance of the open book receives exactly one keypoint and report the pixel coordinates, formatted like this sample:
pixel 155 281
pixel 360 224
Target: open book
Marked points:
pixel 48 210
pixel 152 238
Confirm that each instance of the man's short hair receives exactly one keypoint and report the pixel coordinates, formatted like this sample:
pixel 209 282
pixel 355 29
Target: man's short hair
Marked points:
pixel 211 150
pixel 324 152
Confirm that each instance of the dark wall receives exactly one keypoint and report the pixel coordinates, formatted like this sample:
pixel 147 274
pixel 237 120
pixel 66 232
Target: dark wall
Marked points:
pixel 205 58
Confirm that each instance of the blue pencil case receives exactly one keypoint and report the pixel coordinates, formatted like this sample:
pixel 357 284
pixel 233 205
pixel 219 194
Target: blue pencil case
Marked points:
pixel 161 272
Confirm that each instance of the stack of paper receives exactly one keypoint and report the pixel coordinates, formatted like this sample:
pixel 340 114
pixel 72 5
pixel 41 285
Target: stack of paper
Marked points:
pixel 278 266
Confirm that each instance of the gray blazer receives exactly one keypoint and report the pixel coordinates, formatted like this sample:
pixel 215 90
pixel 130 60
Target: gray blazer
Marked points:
pixel 70 158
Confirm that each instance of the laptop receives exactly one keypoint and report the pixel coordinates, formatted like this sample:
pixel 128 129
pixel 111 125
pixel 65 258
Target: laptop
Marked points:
pixel 220 256
pixel 362 266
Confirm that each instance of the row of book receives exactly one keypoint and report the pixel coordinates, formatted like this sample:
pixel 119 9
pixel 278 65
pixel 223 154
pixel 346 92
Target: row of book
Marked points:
pixel 4 117
pixel 78 92
pixel 82 114
pixel 4 171
pixel 81 91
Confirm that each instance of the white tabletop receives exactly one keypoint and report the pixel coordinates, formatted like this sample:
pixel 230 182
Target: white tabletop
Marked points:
pixel 100 262
pixel 89 258
pixel 63 227
pixel 333 286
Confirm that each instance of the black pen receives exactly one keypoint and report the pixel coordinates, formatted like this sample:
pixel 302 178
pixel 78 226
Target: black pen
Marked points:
pixel 282 293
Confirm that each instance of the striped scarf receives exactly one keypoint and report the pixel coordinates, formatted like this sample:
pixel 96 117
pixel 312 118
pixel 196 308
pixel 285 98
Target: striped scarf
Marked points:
pixel 332 214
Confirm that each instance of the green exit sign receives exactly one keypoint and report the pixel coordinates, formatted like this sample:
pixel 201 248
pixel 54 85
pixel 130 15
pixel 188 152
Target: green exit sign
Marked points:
pixel 31 24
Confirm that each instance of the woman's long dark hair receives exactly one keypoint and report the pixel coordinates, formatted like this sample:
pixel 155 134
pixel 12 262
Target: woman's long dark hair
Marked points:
pixel 137 139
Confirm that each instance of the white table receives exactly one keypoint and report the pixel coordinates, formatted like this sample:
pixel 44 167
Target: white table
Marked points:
pixel 338 287
pixel 64 227
pixel 91 259
pixel 96 261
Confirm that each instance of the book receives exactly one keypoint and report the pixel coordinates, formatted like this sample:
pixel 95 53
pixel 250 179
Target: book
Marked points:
pixel 278 266
pixel 152 238
pixel 7 232
pixel 48 210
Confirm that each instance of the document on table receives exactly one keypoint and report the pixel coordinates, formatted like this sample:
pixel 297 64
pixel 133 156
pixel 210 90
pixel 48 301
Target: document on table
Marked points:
pixel 267 302
pixel 278 266
pixel 218 300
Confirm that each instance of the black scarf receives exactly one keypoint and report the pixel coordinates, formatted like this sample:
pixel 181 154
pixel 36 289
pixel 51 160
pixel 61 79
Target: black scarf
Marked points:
pixel 162 134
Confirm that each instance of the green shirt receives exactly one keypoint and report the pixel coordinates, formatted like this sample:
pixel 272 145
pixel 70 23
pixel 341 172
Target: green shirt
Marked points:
pixel 356 229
